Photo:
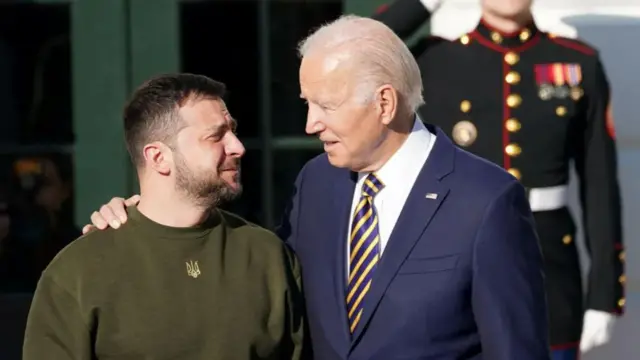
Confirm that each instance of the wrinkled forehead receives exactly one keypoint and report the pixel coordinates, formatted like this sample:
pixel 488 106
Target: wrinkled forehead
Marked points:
pixel 205 112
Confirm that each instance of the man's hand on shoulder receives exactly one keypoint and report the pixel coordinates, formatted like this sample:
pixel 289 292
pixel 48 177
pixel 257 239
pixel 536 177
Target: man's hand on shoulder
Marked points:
pixel 113 213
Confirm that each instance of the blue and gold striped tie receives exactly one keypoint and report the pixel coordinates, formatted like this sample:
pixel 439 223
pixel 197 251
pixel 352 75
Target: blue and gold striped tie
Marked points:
pixel 364 249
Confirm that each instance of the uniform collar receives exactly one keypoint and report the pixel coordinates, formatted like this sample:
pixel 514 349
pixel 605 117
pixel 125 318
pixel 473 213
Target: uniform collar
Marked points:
pixel 517 39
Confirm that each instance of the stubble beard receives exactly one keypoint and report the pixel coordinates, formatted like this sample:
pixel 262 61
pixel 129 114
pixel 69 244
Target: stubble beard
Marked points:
pixel 205 189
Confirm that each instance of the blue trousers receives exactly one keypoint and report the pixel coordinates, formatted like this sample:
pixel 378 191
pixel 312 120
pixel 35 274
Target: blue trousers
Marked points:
pixel 565 354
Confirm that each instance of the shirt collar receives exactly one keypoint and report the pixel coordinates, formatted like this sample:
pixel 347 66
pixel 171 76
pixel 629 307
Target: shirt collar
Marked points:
pixel 406 158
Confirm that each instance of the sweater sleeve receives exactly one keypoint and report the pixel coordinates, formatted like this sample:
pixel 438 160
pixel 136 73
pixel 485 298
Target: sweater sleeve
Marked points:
pixel 55 327
pixel 297 321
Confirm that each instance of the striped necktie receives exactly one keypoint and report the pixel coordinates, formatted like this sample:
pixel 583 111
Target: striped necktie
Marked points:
pixel 364 249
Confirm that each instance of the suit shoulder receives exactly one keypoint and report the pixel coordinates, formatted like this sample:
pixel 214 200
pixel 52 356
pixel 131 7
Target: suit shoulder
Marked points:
pixel 482 176
pixel 575 44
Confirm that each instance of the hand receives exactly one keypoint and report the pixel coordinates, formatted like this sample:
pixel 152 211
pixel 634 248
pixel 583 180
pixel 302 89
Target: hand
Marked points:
pixel 113 214
pixel 596 330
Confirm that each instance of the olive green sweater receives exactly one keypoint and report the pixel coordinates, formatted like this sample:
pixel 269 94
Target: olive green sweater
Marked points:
pixel 223 290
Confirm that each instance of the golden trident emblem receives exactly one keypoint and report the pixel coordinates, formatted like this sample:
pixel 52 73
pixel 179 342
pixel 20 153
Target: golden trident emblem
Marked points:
pixel 193 269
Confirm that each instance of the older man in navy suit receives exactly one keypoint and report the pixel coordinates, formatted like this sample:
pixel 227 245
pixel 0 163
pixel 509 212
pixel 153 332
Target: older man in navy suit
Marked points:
pixel 410 247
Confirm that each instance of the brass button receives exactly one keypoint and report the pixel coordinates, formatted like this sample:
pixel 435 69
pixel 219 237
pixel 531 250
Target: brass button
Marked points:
pixel 464 39
pixel 515 173
pixel 621 256
pixel 513 150
pixel 567 239
pixel 513 125
pixel 622 279
pixel 496 37
pixel 561 111
pixel 514 100
pixel 621 302
pixel 465 106
pixel 525 35
pixel 511 58
pixel 512 78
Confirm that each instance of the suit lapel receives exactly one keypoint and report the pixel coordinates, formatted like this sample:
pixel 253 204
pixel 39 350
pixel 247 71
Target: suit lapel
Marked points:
pixel 337 235
pixel 419 209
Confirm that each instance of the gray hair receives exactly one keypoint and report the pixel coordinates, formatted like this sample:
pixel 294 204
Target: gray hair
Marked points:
pixel 381 56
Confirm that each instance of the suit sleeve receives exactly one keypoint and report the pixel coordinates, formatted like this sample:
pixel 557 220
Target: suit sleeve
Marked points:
pixel 508 296
pixel 55 327
pixel 404 17
pixel 596 165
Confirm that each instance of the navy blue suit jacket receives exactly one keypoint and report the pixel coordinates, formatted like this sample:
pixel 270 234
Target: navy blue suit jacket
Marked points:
pixel 460 278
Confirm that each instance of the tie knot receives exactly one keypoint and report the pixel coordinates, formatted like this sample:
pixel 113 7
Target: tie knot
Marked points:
pixel 372 185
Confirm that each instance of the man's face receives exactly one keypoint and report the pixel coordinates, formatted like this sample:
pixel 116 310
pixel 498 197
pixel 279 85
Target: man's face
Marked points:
pixel 349 130
pixel 207 154
pixel 506 8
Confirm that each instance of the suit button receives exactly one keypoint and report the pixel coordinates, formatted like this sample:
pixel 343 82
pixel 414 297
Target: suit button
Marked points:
pixel 622 279
pixel 513 150
pixel 561 111
pixel 514 100
pixel 515 173
pixel 465 106
pixel 621 302
pixel 513 125
pixel 512 78
pixel 567 239
pixel 511 58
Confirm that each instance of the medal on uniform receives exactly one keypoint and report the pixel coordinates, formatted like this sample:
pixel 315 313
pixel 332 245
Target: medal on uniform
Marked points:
pixel 558 72
pixel 544 81
pixel 464 133
pixel 574 78
pixel 561 92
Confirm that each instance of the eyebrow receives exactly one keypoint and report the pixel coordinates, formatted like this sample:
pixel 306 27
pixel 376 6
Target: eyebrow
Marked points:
pixel 233 124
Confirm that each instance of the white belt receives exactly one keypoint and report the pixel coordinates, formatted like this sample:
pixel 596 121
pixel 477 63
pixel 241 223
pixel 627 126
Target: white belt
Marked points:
pixel 549 198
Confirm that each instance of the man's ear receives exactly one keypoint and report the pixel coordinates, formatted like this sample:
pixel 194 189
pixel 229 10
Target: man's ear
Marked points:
pixel 158 157
pixel 387 99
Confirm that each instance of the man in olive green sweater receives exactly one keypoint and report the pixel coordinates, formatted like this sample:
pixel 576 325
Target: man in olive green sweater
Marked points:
pixel 177 281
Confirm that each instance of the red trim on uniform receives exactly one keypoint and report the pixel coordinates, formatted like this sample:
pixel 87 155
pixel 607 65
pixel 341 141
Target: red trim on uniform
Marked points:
pixel 619 246
pixel 570 43
pixel 609 121
pixel 491 45
pixel 506 114
pixel 572 345
pixel 382 8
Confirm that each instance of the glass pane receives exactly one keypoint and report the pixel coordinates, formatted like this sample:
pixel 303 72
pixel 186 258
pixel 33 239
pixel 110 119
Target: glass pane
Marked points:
pixel 290 22
pixel 35 74
pixel 219 39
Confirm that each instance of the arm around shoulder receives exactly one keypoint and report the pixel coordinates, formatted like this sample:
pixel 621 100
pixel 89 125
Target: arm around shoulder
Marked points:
pixel 56 329
pixel 508 298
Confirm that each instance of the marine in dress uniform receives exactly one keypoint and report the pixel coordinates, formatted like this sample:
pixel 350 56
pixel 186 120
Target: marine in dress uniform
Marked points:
pixel 533 102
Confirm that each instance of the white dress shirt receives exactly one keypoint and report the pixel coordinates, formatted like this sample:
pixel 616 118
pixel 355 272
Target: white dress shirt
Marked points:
pixel 398 175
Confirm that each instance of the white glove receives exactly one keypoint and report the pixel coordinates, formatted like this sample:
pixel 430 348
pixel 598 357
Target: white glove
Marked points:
pixel 431 5
pixel 596 329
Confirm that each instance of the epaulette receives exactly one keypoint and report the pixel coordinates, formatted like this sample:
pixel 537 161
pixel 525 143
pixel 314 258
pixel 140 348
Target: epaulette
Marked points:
pixel 575 44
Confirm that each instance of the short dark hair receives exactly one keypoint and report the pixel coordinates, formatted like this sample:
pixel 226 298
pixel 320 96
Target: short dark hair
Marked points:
pixel 152 112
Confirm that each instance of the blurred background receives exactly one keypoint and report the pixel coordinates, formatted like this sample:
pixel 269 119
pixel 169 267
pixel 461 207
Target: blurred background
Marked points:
pixel 68 66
